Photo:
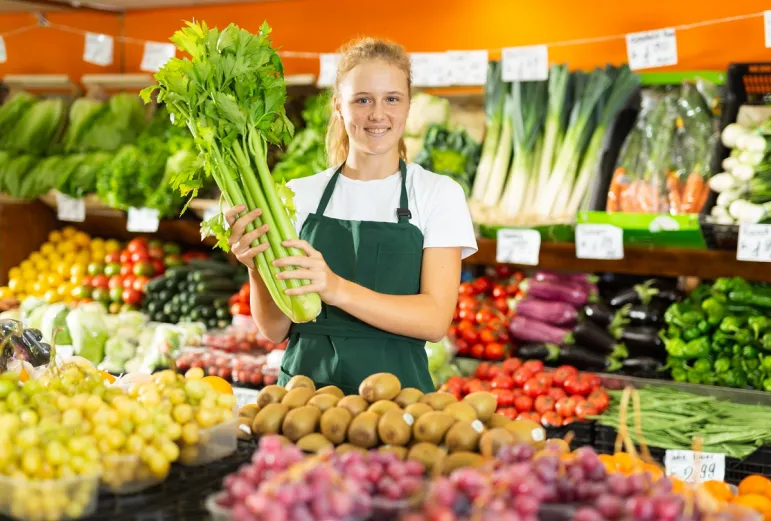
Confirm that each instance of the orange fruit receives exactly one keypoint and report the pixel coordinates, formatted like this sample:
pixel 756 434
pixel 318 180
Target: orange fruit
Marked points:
pixel 718 490
pixel 218 384
pixel 654 470
pixel 678 485
pixel 609 462
pixel 755 485
pixel 107 377
pixel 756 502
pixel 624 462
pixel 23 376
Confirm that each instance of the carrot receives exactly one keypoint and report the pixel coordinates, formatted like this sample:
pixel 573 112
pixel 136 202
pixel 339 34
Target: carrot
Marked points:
pixel 629 197
pixel 702 200
pixel 694 187
pixel 615 191
pixel 675 199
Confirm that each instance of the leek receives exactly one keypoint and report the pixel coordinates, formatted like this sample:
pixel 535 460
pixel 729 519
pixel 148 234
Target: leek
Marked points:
pixel 494 110
pixel 231 96
pixel 501 160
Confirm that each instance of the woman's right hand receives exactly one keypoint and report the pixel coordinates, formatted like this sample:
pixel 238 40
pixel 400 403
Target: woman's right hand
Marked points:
pixel 240 242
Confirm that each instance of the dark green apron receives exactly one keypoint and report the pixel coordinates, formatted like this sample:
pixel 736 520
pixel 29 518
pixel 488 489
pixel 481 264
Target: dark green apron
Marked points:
pixel 337 348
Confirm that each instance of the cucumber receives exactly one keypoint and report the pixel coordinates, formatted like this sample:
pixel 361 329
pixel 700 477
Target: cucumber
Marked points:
pixel 218 284
pixel 178 271
pixel 168 308
pixel 171 284
pixel 221 303
pixel 153 307
pixel 221 267
pixel 211 323
pixel 155 284
pixel 195 314
pixel 222 313
pixel 205 299
pixel 206 312
pixel 164 296
pixel 204 275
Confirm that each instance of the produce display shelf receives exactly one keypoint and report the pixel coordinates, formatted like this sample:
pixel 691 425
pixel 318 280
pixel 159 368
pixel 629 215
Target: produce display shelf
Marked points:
pixel 639 260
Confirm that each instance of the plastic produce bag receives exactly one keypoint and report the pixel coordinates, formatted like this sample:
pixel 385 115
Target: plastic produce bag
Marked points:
pixel 89 334
pixel 166 341
pixel 117 351
pixel 56 317
pixel 28 306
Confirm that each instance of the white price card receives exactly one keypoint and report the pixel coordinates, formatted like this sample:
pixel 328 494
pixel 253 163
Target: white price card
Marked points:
pixel 430 69
pixel 98 49
pixel 525 63
pixel 467 67
pixel 694 467
pixel 142 220
pixel 767 26
pixel 651 49
pixel 518 246
pixel 70 209
pixel 3 53
pixel 328 69
pixel 156 55
pixel 754 243
pixel 245 396
pixel 599 241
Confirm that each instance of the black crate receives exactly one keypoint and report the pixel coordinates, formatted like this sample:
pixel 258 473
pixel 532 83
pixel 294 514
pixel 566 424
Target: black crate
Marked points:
pixel 583 433
pixel 719 236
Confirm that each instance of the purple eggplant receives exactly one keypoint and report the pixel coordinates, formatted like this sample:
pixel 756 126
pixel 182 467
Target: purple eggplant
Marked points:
pixel 642 315
pixel 577 356
pixel 637 294
pixel 560 291
pixel 589 334
pixel 642 341
pixel 601 314
pixel 642 364
pixel 567 277
pixel 551 312
pixel 530 330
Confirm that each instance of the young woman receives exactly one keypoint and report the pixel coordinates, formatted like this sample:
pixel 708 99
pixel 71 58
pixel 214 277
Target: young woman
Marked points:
pixel 384 239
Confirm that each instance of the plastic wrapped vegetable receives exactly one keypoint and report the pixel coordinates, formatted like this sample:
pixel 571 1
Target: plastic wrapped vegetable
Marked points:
pixel 89 334
pixel 56 317
pixel 28 305
pixel 117 351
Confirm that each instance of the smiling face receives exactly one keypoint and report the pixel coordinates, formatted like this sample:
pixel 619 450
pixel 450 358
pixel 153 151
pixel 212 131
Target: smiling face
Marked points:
pixel 374 103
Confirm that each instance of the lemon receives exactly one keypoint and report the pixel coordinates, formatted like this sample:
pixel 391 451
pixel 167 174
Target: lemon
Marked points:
pixel 27 265
pixel 54 280
pixel 77 270
pixel 14 273
pixel 83 257
pixel 47 249
pixel 97 244
pixel 69 257
pixel 61 269
pixel 51 296
pixel 66 247
pixel 65 289
pixel 68 232
pixel 81 239
pixel 35 257
pixel 111 245
pixel 16 285
pixel 55 236
pixel 39 287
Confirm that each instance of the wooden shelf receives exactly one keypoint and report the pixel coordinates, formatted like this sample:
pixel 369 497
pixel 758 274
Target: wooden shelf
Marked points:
pixel 663 262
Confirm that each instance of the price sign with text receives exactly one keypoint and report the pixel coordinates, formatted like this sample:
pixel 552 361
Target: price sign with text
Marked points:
pixel 3 53
pixel 98 49
pixel 525 63
pixel 467 67
pixel 754 244
pixel 327 69
pixel 599 241
pixel 430 69
pixel 651 49
pixel 515 246
pixel 142 220
pixel 70 209
pixel 694 467
pixel 156 55
pixel 767 27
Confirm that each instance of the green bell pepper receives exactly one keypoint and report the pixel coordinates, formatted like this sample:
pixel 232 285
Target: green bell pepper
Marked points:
pixel 729 284
pixel 681 375
pixel 675 346
pixel 702 365
pixel 732 324
pixel 715 310
pixel 683 315
pixel 698 348
pixel 766 364
pixel 759 325
pixel 767 385
pixel 722 365
pixel 751 364
pixel 765 342
pixel 692 333
pixel 750 352
pixel 694 377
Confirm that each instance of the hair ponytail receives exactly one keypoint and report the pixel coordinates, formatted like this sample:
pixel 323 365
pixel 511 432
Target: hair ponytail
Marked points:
pixel 337 140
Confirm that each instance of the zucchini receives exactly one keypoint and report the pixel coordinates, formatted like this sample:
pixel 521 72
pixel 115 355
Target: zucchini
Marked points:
pixel 168 308
pixel 204 275
pixel 217 285
pixel 221 267
pixel 222 313
pixel 178 271
pixel 165 295
pixel 205 299
pixel 155 284
pixel 171 284
pixel 206 312
pixel 195 314
pixel 221 303
pixel 153 307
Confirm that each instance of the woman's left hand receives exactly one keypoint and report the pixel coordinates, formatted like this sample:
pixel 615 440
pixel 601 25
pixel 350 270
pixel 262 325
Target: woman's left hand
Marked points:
pixel 313 268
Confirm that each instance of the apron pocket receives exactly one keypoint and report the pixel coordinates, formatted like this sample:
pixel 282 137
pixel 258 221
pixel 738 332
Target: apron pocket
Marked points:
pixel 398 271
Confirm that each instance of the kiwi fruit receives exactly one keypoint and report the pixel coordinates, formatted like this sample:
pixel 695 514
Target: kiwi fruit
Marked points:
pixel 249 411
pixel 483 403
pixel 380 386
pixel 395 427
pixel 331 389
pixel 492 441
pixel 418 409
pixel 527 431
pixel 300 381
pixel 323 401
pixel 498 420
pixel 432 426
pixel 270 394
pixel 463 436
pixel 313 442
pixel 557 445
pixel 400 452
pixel 380 407
pixel 408 396
pixel 269 419
pixel 426 453
pixel 297 397
pixel 354 404
pixel 362 431
pixel 347 447
pixel 334 424
pixel 244 428
pixel 438 400
pixel 300 422
pixel 461 411
pixel 457 460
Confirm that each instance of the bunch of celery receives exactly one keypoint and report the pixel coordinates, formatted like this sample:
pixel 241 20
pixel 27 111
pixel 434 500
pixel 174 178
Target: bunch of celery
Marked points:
pixel 544 141
pixel 231 94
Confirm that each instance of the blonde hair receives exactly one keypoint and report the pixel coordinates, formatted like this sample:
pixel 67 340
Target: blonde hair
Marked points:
pixel 354 53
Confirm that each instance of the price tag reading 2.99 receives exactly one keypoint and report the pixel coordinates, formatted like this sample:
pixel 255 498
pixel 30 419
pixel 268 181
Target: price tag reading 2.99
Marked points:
pixel 695 467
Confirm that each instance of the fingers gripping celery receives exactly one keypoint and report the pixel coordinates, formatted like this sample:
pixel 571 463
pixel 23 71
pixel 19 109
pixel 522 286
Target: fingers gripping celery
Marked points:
pixel 230 94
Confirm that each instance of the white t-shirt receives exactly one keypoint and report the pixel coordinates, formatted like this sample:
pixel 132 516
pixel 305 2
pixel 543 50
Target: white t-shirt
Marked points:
pixel 437 203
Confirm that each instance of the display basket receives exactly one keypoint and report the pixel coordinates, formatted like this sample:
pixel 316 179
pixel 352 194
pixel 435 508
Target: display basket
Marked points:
pixel 57 499
pixel 216 443
pixel 127 474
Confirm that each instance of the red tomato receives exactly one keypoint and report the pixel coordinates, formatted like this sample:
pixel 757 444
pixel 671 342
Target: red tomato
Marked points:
pixel 472 386
pixel 578 384
pixel 100 281
pixel 544 379
pixel 464 325
pixel 456 315
pixel 565 407
pixel 503 271
pixel 137 244
pixel 495 324
pixel 523 403
pixel 139 256
pixel 494 351
pixel 484 317
pixel 544 404
pixel 87 280
pixel 504 397
pixel 462 347
pixel 521 376
pixel 470 336
pixel 493 372
pixel 510 365
pixel 585 409
pixel 477 351
pixel 594 380
pixel 465 288
pixel 557 393
pixel 482 285
pixel 466 302
pixel 501 305
pixel 466 314
pixel 578 399
pixel 452 332
pixel 140 283
pixel 533 388
pixel 562 373
pixel 513 290
pixel 599 400
pixel 502 382
pixel 156 252
pixel 551 419
pixel 517 392
pixel 112 257
pixel 532 416
pixel 499 291
pixel 128 281
pixel 144 268
pixel 535 366
pixel 509 412
pixel 116 281
pixel 481 371
pixel 193 255
pixel 131 297
pixel 486 336
pixel 568 420
pixel 239 309
pixel 158 267
pixel 125 257
pixel 127 269
pixel 504 337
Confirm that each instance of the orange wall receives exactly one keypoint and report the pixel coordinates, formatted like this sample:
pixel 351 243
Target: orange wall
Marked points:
pixel 420 25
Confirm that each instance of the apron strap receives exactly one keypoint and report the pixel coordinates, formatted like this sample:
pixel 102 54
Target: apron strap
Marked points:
pixel 403 213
